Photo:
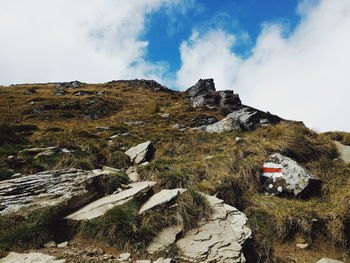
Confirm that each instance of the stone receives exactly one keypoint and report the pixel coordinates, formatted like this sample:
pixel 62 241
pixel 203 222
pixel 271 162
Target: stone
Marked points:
pixel 160 198
pixel 68 188
pixel 30 91
pixel 344 151
pixel 44 151
pixel 102 205
pixel 110 169
pixel 59 92
pixel 224 125
pixel 328 260
pixel 13 257
pixel 165 115
pixel 141 153
pixel 143 261
pixel 218 239
pixel 69 85
pixel 82 93
pixel 302 246
pixel 165 238
pixel 144 83
pixel 50 244
pixel 162 260
pixel 134 123
pixel 134 177
pixel 283 175
pixel 203 93
pixel 124 257
pixel 63 244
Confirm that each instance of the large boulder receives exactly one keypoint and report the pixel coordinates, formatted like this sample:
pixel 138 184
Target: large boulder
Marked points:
pixel 203 93
pixel 68 188
pixel 102 205
pixel 218 239
pixel 282 175
pixel 141 153
pixel 32 257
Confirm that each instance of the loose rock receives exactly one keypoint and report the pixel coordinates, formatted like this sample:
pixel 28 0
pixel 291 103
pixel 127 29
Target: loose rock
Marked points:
pixel 141 153
pixel 328 260
pixel 30 258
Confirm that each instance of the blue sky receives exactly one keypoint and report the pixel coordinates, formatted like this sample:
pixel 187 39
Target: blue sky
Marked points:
pixel 241 17
pixel 288 57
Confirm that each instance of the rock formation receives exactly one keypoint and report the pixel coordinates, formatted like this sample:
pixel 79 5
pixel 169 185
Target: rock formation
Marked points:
pixel 70 189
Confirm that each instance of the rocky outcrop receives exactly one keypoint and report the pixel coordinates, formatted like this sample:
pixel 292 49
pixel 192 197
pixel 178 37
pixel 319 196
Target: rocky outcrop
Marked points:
pixel 165 238
pixel 203 93
pixel 30 258
pixel 70 189
pixel 144 83
pixel 243 119
pixel 102 205
pixel 218 239
pixel 141 153
pixel 69 85
pixel 44 151
pixel 163 197
pixel 344 151
pixel 282 175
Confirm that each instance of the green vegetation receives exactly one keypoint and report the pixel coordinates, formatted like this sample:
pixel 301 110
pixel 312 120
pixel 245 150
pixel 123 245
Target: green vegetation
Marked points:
pixel 31 232
pixel 5 174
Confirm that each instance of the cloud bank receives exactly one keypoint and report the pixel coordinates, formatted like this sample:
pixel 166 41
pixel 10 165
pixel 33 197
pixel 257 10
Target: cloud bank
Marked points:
pixel 88 40
pixel 305 76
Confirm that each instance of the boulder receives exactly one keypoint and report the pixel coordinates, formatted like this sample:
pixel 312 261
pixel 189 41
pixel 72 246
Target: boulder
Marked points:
pixel 163 197
pixel 344 151
pixel 218 239
pixel 282 175
pixel 59 92
pixel 102 205
pixel 224 125
pixel 328 260
pixel 203 93
pixel 141 153
pixel 30 258
pixel 69 188
pixel 163 260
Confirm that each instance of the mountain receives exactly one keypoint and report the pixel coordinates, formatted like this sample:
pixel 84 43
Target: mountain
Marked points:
pixel 130 166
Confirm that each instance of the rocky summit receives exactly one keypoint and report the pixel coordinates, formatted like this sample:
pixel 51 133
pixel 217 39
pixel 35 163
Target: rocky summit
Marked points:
pixel 131 171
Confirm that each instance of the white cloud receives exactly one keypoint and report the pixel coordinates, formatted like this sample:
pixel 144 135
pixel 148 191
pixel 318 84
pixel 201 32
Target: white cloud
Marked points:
pixel 305 76
pixel 88 40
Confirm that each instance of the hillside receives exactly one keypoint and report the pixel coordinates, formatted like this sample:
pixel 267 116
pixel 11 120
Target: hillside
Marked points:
pixel 202 142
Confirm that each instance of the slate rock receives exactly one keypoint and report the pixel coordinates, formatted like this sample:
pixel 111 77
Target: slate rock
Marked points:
pixel 282 175
pixel 220 238
pixel 68 188
pixel 160 198
pixel 32 257
pixel 102 205
pixel 328 260
pixel 59 92
pixel 141 153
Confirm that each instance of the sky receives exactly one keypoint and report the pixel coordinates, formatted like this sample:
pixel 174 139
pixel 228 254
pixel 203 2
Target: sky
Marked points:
pixel 288 57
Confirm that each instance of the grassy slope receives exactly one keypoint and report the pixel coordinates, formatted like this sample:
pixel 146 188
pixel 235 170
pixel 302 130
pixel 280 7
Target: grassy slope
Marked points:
pixel 212 163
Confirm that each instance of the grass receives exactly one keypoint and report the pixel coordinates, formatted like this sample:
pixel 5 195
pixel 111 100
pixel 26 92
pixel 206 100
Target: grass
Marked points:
pixel 214 164
pixel 31 232
pixel 5 174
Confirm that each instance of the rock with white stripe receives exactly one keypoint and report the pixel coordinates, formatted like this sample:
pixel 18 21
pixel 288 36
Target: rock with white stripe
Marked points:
pixel 282 175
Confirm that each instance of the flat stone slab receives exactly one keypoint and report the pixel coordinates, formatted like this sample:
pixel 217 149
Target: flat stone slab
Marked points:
pixel 69 188
pixel 163 197
pixel 328 260
pixel 30 258
pixel 344 151
pixel 102 205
